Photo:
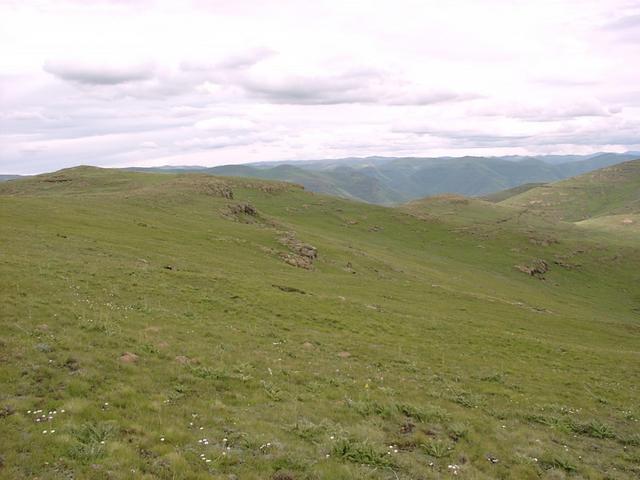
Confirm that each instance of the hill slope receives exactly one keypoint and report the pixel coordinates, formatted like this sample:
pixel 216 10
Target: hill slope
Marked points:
pixel 387 180
pixel 510 192
pixel 190 326
pixel 610 191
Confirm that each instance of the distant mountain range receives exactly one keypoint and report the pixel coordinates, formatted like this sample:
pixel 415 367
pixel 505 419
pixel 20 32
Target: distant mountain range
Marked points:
pixel 4 178
pixel 393 180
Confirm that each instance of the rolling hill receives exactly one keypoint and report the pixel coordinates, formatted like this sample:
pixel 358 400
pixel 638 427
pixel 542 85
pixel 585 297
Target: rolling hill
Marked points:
pixel 609 191
pixel 159 325
pixel 391 180
pixel 510 192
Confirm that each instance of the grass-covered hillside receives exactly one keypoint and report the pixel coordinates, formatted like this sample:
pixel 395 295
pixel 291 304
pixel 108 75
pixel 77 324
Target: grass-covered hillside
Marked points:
pixel 195 327
pixel 609 191
pixel 392 181
pixel 510 192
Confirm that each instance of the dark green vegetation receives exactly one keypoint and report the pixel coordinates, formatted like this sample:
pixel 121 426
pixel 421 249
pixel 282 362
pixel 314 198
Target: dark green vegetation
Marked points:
pixel 145 313
pixel 387 180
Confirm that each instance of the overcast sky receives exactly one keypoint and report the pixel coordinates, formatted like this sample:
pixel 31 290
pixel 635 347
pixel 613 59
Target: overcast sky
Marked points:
pixel 143 82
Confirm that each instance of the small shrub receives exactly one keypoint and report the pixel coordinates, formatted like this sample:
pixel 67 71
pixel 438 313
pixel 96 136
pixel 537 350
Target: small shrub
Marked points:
pixel 308 430
pixel 272 391
pixel 551 461
pixel 90 440
pixel 438 448
pixel 361 453
pixel 467 400
pixel 206 372
pixel 594 429
pixel 633 440
pixel 149 348
pixel 411 412
pixel 493 378
pixel 371 407
pixel 458 431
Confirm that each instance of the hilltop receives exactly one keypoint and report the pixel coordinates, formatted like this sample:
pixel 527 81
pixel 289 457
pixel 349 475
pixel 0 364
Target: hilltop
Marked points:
pixel 180 325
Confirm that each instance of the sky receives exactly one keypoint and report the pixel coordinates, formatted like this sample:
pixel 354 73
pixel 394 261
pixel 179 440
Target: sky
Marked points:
pixel 192 82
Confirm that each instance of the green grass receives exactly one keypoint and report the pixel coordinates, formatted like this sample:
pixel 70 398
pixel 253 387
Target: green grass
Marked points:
pixel 613 190
pixel 510 192
pixel 411 347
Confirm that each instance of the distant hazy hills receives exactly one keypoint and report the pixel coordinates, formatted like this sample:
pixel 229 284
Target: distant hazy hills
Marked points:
pixel 390 180
pixel 393 180
pixel 4 178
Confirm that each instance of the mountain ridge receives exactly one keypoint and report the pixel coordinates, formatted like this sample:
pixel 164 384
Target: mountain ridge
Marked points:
pixel 396 180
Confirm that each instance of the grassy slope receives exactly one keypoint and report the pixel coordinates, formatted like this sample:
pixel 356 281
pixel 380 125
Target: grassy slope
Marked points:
pixel 461 211
pixel 392 181
pixel 343 182
pixel 510 192
pixel 454 355
pixel 609 191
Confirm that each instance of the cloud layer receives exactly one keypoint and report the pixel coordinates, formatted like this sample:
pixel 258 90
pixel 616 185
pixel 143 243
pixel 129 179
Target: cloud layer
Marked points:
pixel 147 82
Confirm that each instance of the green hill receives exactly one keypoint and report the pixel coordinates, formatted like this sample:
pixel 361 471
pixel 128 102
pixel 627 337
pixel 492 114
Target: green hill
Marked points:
pixel 609 191
pixel 186 326
pixel 510 192
pixel 389 180
pixel 459 210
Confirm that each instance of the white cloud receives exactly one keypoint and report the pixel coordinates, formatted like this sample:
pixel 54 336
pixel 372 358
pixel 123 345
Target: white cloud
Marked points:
pixel 225 124
pixel 155 81
pixel 98 74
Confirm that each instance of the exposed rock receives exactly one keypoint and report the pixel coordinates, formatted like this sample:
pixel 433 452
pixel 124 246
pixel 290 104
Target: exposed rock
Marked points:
pixel 243 209
pixel 297 261
pixel 129 357
pixel 308 345
pixel 537 268
pixel 407 428
pixel 284 288
pixel 6 411
pixel 183 360
pixel 57 179
pixel 222 191
pixel 302 255
pixel 543 242
pixel 204 185
pixel 72 364
pixel 283 475
pixel 44 347
pixel 561 262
